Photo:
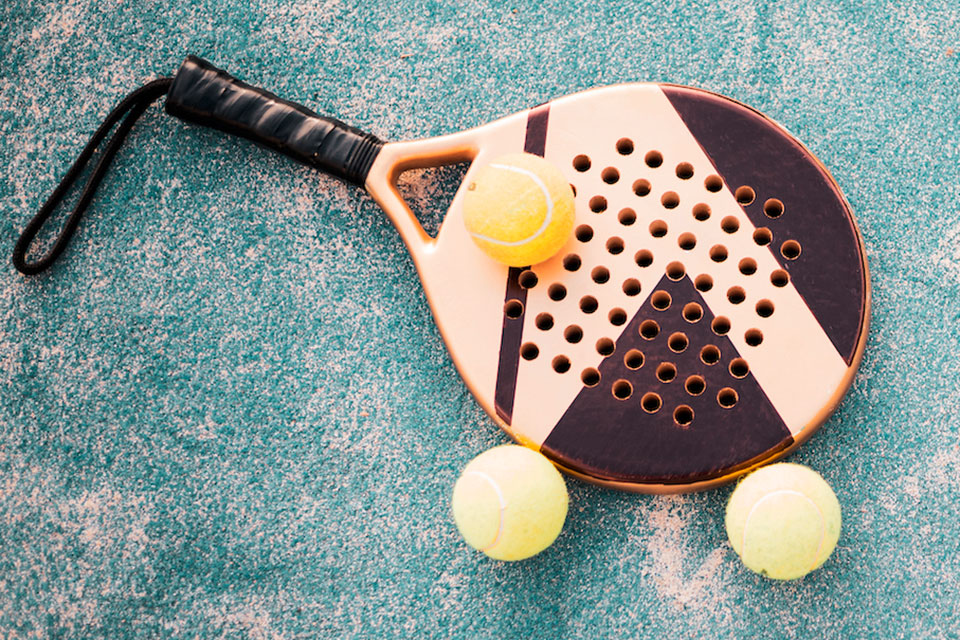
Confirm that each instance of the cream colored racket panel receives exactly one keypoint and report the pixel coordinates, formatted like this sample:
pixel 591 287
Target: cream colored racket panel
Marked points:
pixel 796 364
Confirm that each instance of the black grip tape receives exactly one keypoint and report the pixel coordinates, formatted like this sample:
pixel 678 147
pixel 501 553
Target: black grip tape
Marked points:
pixel 205 95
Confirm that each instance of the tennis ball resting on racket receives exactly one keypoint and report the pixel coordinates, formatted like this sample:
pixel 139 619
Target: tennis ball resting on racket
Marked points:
pixel 519 209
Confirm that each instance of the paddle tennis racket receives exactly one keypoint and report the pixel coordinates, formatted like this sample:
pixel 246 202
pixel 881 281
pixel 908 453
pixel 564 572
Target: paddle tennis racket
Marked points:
pixel 705 317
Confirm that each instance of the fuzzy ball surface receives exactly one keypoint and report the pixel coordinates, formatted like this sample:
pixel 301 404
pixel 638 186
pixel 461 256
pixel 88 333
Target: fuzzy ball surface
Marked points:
pixel 510 502
pixel 783 520
pixel 519 209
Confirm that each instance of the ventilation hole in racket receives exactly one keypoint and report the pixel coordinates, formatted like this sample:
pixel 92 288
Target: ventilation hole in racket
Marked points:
pixel 780 278
pixel 678 342
pixel 703 283
pixel 653 159
pixel 581 163
pixel 765 308
pixel 736 295
pixel 605 346
pixel 718 253
pixel 631 286
pixel 683 416
pixel 670 200
pixel 633 359
pixel 544 321
pixel 625 146
pixel 641 187
pixel 649 329
pixel 610 175
pixel 675 271
pixel 710 355
pixel 701 211
pixel 720 325
pixel 687 241
pixel 730 224
pixel 588 304
pixel 753 337
pixel 692 312
pixel 773 208
pixel 561 364
pixel 727 398
pixel 600 274
pixel 529 351
pixel 660 300
pixel 617 316
pixel 590 377
pixel 527 279
pixel 658 228
pixel 695 385
pixel 790 249
pixel 584 233
pixel 557 292
pixel 739 368
pixel 763 236
pixel 622 389
pixel 651 402
pixel 513 308
pixel 571 262
pixel 666 372
pixel 573 188
pixel 573 334
pixel 598 204
pixel 615 245
pixel 684 170
pixel 713 183
pixel 627 216
pixel 748 266
pixel 745 195
pixel 643 258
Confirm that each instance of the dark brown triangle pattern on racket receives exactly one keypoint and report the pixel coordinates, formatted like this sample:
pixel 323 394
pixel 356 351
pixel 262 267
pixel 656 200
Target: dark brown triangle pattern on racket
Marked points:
pixel 513 323
pixel 794 198
pixel 617 439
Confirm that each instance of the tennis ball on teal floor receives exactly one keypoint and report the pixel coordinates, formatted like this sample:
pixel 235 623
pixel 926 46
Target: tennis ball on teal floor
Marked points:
pixel 519 209
pixel 783 520
pixel 510 502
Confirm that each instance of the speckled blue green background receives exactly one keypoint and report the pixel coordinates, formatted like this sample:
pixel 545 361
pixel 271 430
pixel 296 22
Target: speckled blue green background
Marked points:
pixel 227 412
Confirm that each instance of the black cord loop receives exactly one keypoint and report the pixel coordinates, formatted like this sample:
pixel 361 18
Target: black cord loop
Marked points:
pixel 129 110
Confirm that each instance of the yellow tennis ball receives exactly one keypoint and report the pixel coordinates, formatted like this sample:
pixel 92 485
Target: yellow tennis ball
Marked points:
pixel 519 209
pixel 783 520
pixel 510 502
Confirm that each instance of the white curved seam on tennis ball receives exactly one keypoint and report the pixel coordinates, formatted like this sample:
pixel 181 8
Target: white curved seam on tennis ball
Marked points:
pixel 823 521
pixel 546 219
pixel 503 506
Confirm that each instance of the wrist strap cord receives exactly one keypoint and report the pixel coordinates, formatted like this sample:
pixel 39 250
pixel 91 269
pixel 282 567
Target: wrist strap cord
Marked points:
pixel 129 111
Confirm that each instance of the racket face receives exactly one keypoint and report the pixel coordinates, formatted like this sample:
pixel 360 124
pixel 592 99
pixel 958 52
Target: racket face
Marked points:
pixel 706 316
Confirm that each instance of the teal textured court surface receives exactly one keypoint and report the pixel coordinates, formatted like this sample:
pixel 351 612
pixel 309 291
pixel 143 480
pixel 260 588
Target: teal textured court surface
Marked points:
pixel 227 412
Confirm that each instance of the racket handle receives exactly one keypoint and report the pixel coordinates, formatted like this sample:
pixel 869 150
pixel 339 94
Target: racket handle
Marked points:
pixel 205 95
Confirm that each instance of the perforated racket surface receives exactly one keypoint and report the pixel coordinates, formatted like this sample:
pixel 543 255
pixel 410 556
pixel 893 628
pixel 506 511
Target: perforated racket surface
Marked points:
pixel 706 316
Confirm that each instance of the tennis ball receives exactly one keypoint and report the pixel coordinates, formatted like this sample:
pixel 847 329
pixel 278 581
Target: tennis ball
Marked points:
pixel 519 209
pixel 783 521
pixel 510 502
